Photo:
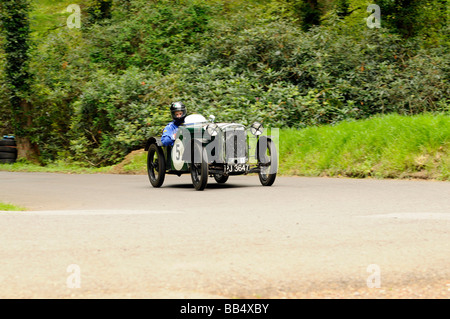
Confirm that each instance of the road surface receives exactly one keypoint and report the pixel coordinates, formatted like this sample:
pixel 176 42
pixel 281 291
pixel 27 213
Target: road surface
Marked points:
pixel 114 236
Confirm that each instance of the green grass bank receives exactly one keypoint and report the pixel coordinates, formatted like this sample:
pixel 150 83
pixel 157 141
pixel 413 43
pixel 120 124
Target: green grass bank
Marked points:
pixel 390 146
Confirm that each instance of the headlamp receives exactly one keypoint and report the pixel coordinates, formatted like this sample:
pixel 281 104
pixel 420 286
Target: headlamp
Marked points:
pixel 212 129
pixel 256 128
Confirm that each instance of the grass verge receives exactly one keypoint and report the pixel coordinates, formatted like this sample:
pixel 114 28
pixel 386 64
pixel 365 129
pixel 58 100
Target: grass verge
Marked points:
pixel 10 207
pixel 57 167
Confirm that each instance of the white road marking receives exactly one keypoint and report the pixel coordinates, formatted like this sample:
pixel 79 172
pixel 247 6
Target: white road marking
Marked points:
pixel 90 212
pixel 421 216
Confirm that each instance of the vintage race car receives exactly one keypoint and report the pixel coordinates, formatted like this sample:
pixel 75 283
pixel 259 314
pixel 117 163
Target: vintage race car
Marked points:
pixel 203 148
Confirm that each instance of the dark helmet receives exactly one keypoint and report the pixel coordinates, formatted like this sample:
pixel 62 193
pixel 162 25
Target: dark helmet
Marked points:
pixel 177 106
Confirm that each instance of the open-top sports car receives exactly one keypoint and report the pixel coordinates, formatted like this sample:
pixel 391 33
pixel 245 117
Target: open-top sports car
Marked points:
pixel 204 148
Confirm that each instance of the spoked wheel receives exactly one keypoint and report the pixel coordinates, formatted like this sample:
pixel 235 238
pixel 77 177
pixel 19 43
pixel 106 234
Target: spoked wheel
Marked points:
pixel 268 161
pixel 156 166
pixel 199 167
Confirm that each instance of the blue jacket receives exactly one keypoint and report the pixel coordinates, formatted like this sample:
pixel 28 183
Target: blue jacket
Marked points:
pixel 169 131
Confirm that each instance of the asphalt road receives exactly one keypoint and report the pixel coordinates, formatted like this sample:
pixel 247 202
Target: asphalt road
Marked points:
pixel 114 236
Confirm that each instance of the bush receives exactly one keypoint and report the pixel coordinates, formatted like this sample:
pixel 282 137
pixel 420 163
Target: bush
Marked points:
pixel 288 78
pixel 60 70
pixel 113 116
pixel 148 36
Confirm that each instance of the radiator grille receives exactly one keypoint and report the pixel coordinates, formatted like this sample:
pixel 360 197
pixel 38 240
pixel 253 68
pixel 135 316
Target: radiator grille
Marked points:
pixel 235 146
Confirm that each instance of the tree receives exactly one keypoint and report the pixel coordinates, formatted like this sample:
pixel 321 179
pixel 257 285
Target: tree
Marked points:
pixel 15 26
pixel 343 7
pixel 309 12
pixel 98 10
pixel 404 17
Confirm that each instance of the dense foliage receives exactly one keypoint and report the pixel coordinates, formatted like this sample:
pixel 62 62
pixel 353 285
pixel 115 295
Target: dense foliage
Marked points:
pixel 101 90
pixel 14 22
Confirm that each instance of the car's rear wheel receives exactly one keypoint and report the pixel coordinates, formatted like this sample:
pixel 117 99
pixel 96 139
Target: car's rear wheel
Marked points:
pixel 268 161
pixel 199 167
pixel 221 178
pixel 156 165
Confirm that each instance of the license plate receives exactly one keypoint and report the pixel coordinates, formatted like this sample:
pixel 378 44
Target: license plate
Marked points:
pixel 237 168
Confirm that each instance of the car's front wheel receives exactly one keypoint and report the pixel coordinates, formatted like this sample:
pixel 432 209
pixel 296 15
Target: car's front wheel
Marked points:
pixel 156 165
pixel 199 167
pixel 268 161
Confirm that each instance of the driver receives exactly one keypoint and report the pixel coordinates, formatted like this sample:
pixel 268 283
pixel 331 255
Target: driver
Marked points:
pixel 178 111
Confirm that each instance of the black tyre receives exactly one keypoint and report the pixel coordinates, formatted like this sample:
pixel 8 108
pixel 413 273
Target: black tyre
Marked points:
pixel 156 165
pixel 7 161
pixel 8 149
pixel 7 142
pixel 199 167
pixel 221 178
pixel 8 155
pixel 268 161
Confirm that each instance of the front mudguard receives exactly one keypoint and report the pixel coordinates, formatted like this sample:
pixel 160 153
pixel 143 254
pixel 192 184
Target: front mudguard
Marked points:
pixel 153 140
